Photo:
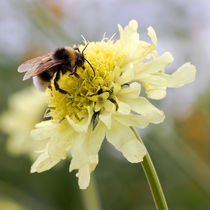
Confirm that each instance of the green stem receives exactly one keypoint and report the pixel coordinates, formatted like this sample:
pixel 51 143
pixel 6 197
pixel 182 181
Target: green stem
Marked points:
pixel 152 179
pixel 90 196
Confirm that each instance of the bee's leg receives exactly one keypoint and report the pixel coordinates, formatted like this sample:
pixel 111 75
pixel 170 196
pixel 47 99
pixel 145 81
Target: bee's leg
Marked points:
pixel 57 77
pixel 76 75
pixel 66 68
pixel 74 72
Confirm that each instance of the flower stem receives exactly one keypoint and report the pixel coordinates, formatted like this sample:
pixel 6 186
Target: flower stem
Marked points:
pixel 90 196
pixel 152 179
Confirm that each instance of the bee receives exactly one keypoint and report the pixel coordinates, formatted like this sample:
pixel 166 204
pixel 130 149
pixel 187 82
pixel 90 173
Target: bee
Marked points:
pixel 62 60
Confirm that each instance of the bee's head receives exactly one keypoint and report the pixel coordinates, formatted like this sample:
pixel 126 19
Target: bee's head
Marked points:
pixel 80 59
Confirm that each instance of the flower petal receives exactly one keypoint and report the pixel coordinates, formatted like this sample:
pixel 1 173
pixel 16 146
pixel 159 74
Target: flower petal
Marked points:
pixel 142 106
pixel 184 75
pixel 156 84
pixel 123 108
pixel 82 126
pixel 106 114
pixel 128 75
pixel 156 92
pixel 153 66
pixel 125 141
pixel 84 176
pixel 44 162
pixel 131 91
pixel 129 38
pixel 85 154
pixel 44 130
pixel 151 33
pixel 131 120
pixel 58 144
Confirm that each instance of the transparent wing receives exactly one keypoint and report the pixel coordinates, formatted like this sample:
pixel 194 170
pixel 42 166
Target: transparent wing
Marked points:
pixel 46 66
pixel 31 65
pixel 30 70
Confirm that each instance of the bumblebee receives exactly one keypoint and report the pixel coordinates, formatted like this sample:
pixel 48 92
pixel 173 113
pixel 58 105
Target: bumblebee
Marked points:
pixel 62 60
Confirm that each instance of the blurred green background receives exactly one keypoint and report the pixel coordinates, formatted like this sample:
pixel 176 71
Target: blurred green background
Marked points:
pixel 179 146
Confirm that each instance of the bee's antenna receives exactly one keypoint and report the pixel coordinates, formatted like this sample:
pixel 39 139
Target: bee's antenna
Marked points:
pixel 85 47
pixel 87 60
pixel 91 66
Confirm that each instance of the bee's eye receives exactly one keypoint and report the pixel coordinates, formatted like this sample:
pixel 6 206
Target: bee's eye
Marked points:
pixel 80 60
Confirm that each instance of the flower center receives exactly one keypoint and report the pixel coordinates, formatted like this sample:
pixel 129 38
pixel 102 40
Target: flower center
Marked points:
pixel 107 59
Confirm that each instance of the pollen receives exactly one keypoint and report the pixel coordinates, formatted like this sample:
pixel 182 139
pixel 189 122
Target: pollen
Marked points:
pixel 106 58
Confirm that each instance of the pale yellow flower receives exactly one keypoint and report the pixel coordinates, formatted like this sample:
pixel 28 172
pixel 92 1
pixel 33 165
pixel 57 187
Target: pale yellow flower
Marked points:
pixel 9 205
pixel 107 104
pixel 26 108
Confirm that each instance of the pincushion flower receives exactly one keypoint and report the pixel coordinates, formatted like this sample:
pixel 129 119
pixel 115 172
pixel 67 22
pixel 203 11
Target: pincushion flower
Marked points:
pixel 108 103
pixel 26 108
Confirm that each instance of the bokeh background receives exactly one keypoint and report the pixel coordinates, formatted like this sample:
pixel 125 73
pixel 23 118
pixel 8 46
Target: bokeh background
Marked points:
pixel 179 147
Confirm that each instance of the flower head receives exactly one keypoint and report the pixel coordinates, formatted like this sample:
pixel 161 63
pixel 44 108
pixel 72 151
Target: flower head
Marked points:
pixel 26 108
pixel 107 103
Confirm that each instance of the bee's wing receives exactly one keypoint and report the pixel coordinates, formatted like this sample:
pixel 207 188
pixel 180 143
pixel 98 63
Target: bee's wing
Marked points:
pixel 30 71
pixel 32 63
pixel 42 67
pixel 38 65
